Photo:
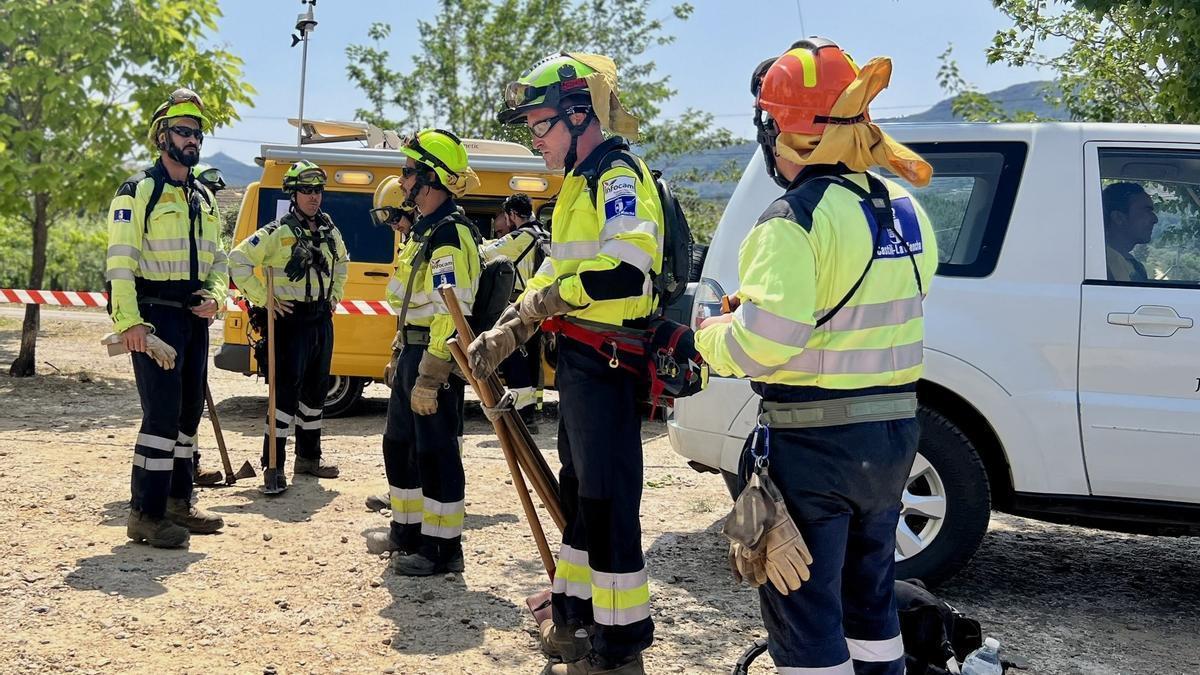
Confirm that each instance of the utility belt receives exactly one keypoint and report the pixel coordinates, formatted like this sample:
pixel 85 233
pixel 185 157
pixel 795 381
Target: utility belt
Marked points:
pixel 663 355
pixel 177 293
pixel 416 336
pixel 838 411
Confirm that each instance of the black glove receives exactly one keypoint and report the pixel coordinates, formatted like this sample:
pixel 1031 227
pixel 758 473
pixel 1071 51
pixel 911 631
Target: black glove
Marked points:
pixel 298 264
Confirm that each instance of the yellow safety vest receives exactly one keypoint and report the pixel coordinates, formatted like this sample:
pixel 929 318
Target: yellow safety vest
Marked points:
pixel 520 242
pixel 170 252
pixel 622 224
pixel 453 260
pixel 272 246
pixel 801 259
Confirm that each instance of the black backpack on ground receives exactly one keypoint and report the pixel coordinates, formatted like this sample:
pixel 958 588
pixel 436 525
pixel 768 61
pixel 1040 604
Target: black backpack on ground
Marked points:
pixel 677 234
pixel 932 630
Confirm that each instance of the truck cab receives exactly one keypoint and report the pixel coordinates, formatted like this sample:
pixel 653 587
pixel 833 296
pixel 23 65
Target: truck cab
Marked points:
pixel 363 326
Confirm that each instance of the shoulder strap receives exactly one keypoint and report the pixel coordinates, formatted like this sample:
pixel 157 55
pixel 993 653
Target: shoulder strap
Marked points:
pixel 155 195
pixel 880 203
pixel 616 155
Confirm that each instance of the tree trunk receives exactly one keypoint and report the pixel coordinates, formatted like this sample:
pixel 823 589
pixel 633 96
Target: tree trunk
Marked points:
pixel 26 363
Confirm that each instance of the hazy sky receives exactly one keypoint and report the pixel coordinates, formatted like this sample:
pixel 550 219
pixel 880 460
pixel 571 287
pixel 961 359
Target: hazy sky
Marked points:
pixel 709 63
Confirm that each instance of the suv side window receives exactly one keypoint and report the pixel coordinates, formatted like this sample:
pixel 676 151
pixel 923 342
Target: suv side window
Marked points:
pixel 350 211
pixel 969 200
pixel 1151 204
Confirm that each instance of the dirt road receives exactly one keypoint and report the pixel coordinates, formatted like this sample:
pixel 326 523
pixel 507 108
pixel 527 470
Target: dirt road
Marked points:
pixel 289 585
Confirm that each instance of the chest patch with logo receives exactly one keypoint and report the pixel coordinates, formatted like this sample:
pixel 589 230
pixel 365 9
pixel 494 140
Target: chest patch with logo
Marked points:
pixel 442 270
pixel 888 245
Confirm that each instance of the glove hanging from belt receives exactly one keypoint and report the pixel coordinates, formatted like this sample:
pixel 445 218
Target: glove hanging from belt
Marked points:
pixel 432 375
pixel 765 544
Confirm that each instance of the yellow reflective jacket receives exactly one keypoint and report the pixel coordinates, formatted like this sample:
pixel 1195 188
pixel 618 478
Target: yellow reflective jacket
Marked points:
pixel 272 245
pixel 802 258
pixel 605 249
pixel 453 260
pixel 520 247
pixel 170 252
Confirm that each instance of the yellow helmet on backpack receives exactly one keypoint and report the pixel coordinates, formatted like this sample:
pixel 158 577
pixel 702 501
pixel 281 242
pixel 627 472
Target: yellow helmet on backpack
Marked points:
pixel 390 202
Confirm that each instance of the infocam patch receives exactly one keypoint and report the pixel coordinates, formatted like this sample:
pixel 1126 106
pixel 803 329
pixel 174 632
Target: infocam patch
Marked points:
pixel 621 185
pixel 123 215
pixel 625 205
pixel 443 271
pixel 907 225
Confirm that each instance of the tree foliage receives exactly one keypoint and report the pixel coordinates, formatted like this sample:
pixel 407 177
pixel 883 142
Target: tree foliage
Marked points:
pixel 473 48
pixel 78 82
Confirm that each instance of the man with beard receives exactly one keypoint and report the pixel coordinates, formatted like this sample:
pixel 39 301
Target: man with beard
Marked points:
pixel 167 277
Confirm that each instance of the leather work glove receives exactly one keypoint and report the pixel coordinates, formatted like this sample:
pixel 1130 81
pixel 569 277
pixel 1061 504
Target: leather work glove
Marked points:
pixel 389 371
pixel 160 352
pixel 491 347
pixel 432 374
pixel 543 304
pixel 787 556
pixel 747 564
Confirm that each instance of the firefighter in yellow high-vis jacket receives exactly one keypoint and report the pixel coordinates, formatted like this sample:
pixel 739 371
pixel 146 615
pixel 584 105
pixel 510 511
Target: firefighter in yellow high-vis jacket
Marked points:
pixel 828 327
pixel 606 245
pixel 167 277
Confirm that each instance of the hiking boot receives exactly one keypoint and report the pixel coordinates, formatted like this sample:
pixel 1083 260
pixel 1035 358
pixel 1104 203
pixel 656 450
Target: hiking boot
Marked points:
pixel 594 665
pixel 565 643
pixel 418 565
pixel 314 467
pixel 379 543
pixel 379 502
pixel 208 477
pixel 158 532
pixel 182 512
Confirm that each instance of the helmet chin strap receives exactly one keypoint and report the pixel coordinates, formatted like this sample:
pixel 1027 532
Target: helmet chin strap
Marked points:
pixel 767 135
pixel 576 131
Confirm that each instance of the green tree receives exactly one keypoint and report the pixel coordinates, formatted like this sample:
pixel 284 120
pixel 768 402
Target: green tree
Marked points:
pixel 78 81
pixel 473 48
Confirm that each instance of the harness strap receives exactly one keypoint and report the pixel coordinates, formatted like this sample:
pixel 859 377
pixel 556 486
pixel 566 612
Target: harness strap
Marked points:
pixel 838 411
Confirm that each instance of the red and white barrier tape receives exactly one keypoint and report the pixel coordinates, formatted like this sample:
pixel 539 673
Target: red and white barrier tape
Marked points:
pixel 95 299
pixel 62 298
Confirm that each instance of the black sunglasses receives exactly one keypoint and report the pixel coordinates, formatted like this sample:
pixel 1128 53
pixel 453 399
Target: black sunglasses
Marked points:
pixel 310 189
pixel 187 132
pixel 410 171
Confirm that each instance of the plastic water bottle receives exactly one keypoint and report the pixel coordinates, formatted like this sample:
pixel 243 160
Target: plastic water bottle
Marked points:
pixel 985 660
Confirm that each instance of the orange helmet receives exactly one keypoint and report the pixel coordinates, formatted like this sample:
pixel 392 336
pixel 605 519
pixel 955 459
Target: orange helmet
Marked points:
pixel 798 89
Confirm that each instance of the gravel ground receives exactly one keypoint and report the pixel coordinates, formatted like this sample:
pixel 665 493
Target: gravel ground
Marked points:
pixel 289 587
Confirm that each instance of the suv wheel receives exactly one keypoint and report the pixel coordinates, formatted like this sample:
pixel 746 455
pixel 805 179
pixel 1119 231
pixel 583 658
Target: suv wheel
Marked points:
pixel 344 393
pixel 946 503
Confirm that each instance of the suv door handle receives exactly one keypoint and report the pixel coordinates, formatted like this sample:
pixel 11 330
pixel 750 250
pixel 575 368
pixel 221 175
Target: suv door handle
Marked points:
pixel 1152 320
pixel 377 274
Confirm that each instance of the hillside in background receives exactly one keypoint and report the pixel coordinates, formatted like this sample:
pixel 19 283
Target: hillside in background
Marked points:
pixel 237 174
pixel 1019 97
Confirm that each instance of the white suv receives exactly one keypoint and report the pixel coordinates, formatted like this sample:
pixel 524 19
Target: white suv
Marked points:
pixel 1054 387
